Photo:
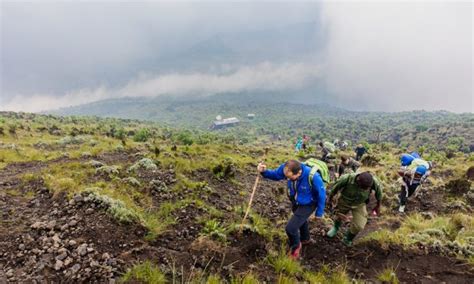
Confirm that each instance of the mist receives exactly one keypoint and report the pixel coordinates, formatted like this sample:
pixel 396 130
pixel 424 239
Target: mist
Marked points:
pixel 389 56
pixel 400 55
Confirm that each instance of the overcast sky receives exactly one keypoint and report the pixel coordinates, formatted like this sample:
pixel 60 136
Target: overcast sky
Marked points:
pixel 388 56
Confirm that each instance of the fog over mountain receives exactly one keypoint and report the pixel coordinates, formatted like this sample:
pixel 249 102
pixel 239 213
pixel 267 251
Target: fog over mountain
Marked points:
pixel 384 56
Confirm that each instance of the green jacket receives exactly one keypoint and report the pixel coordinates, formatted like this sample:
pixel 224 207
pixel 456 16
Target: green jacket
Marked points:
pixel 351 194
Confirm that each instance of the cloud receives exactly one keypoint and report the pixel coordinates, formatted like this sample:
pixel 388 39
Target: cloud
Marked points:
pixel 264 76
pixel 395 56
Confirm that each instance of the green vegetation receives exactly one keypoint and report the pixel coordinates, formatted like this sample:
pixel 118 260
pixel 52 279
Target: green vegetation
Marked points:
pixel 388 276
pixel 145 272
pixel 150 174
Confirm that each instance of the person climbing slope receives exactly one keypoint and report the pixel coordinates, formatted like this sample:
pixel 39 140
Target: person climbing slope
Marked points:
pixel 360 151
pixel 347 163
pixel 307 195
pixel 355 190
pixel 413 172
pixel 327 151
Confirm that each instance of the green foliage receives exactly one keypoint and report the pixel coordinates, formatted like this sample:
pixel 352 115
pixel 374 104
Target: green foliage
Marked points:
pixel 214 229
pixel 388 276
pixel 185 138
pixel 142 135
pixel 145 272
pixel 283 264
pixel 453 235
pixel 116 208
pixel 248 278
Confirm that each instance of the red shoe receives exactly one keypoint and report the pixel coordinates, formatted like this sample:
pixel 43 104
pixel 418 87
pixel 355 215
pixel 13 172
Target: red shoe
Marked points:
pixel 295 253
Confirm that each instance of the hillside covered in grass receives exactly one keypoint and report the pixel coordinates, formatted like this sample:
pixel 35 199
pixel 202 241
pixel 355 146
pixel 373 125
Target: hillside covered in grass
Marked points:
pixel 276 117
pixel 99 199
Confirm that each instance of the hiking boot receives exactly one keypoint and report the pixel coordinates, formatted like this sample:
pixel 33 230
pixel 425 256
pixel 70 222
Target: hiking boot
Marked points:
pixel 348 237
pixel 401 209
pixel 333 232
pixel 295 253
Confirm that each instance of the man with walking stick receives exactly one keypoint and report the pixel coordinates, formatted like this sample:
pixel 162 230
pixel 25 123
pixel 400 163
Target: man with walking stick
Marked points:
pixel 307 195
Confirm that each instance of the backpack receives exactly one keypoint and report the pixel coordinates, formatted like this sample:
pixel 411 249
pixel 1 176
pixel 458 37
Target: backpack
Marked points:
pixel 320 167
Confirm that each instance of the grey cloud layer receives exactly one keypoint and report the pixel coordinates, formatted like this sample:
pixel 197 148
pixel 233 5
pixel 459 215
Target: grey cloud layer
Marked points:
pixel 377 56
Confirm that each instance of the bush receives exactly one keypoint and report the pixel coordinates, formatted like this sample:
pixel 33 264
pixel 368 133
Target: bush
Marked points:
pixel 116 208
pixel 145 272
pixel 144 163
pixel 142 135
pixel 185 138
pixel 213 229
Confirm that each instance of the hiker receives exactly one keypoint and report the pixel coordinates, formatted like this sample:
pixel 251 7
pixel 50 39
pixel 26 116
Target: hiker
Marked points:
pixel 327 150
pixel 414 171
pixel 307 194
pixel 305 142
pixel 416 155
pixel 299 144
pixel 347 163
pixel 354 191
pixel 360 151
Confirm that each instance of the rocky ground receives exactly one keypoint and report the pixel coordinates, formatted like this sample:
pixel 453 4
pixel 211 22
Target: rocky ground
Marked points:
pixel 46 237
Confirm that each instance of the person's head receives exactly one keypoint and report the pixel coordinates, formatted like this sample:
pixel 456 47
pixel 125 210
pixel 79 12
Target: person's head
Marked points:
pixel 321 143
pixel 420 171
pixel 406 159
pixel 344 159
pixel 292 170
pixel 364 180
pixel 359 146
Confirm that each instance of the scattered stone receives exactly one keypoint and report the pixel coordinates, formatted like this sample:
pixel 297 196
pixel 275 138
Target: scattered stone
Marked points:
pixel 78 198
pixel 82 250
pixel 75 268
pixel 59 264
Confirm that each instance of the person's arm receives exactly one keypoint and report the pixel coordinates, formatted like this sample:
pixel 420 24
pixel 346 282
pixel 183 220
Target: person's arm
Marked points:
pixel 320 192
pixel 338 185
pixel 378 195
pixel 355 163
pixel 276 174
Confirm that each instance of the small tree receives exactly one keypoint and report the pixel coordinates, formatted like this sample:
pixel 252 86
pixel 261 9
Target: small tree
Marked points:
pixel 142 135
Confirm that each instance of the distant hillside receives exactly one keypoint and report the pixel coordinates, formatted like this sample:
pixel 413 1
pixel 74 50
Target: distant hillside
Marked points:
pixel 276 117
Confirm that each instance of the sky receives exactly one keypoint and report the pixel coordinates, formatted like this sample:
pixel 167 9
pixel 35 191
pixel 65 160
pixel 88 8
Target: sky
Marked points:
pixel 378 56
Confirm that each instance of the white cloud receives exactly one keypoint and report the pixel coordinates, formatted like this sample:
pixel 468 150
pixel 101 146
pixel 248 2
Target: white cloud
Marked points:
pixel 265 76
pixel 400 55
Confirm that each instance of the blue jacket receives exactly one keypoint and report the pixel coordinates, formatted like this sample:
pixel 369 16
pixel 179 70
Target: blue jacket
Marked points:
pixel 300 189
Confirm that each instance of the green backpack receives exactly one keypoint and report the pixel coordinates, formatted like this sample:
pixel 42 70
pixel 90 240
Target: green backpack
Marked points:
pixel 320 167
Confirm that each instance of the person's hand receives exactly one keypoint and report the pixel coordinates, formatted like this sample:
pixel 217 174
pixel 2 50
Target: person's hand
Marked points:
pixel 329 203
pixel 376 210
pixel 314 218
pixel 261 167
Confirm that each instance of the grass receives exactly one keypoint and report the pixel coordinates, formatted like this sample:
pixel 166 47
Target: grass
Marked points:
pixel 389 276
pixel 285 265
pixel 214 229
pixel 453 233
pixel 326 274
pixel 145 272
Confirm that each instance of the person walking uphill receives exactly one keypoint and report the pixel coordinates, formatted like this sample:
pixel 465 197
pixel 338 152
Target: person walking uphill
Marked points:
pixel 413 172
pixel 355 190
pixel 307 195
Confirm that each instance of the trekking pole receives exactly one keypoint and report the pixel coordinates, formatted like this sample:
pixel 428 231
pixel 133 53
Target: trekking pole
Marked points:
pixel 252 195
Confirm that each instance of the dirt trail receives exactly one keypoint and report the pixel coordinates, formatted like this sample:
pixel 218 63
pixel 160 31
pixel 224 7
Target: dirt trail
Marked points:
pixel 52 238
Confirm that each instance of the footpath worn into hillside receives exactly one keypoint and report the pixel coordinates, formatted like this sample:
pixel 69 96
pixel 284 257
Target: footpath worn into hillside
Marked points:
pixel 46 237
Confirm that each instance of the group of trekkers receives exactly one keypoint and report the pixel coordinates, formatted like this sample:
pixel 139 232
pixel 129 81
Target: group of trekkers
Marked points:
pixel 311 190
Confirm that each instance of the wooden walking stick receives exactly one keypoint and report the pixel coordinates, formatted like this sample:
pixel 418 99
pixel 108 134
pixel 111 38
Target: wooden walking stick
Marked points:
pixel 252 195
